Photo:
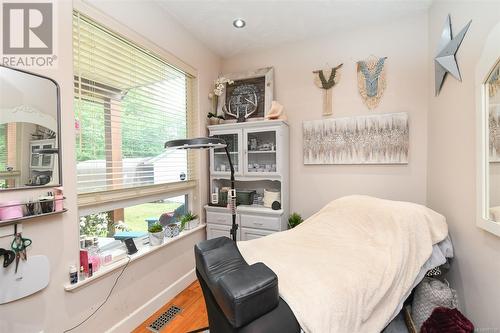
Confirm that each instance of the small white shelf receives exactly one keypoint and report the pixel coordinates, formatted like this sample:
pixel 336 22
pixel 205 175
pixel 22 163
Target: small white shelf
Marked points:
pixel 262 151
pixel 146 250
pixel 9 174
pixel 224 153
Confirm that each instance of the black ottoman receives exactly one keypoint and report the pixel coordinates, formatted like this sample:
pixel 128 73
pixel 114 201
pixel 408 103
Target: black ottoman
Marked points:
pixel 240 297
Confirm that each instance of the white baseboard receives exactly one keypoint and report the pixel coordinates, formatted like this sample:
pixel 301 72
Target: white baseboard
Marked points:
pixel 134 319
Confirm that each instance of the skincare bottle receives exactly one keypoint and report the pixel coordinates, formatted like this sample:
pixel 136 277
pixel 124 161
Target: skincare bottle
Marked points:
pixel 58 198
pixel 81 275
pixel 215 196
pixel 73 274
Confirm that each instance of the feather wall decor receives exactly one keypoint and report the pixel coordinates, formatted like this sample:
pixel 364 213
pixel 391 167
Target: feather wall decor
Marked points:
pixel 371 80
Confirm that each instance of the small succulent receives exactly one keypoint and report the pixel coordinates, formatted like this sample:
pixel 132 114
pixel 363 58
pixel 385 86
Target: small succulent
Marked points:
pixel 186 218
pixel 157 227
pixel 294 220
pixel 189 217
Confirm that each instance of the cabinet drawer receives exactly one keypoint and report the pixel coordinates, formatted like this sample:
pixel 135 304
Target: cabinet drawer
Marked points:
pixel 215 230
pixel 260 222
pixel 219 218
pixel 249 234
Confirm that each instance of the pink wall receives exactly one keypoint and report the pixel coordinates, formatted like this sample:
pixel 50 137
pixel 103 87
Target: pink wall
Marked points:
pixel 405 44
pixel 162 273
pixel 451 183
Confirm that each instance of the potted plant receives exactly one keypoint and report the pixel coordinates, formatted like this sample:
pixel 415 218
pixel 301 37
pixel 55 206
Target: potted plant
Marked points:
pixel 189 221
pixel 156 234
pixel 214 119
pixel 294 220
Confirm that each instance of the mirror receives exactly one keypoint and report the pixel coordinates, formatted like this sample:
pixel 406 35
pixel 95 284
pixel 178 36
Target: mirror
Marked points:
pixel 29 130
pixel 492 105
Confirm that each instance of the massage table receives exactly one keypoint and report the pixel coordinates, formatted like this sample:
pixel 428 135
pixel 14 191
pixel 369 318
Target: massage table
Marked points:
pixel 348 268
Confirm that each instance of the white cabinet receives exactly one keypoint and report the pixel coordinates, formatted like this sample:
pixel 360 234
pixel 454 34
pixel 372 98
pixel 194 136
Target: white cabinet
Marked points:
pixel 260 154
pixel 257 149
pixel 41 161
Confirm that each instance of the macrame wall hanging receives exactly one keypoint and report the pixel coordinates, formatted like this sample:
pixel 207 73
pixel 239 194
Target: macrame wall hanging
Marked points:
pixel 320 79
pixel 371 80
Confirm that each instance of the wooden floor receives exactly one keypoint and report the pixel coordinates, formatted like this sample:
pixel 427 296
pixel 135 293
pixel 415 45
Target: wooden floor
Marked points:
pixel 193 315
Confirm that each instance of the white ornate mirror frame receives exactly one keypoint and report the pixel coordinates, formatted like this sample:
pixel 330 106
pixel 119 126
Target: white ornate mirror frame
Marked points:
pixel 489 58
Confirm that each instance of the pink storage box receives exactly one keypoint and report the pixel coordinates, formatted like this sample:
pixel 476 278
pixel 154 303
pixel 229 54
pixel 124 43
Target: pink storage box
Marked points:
pixel 11 210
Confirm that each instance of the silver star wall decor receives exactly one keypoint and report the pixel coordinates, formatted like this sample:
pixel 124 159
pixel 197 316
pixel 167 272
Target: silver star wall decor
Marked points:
pixel 445 61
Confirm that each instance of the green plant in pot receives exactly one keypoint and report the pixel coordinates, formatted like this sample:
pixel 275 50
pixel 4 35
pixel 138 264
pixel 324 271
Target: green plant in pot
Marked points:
pixel 214 119
pixel 294 220
pixel 156 234
pixel 189 221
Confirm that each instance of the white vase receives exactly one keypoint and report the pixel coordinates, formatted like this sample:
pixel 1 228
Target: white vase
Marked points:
pixel 156 238
pixel 192 224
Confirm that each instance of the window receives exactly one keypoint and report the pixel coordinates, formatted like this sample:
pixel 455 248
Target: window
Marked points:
pixel 8 157
pixel 128 102
pixel 136 218
pixel 3 153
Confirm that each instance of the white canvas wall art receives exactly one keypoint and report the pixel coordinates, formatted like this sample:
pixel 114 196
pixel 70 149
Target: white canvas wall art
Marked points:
pixel 374 139
pixel 494 133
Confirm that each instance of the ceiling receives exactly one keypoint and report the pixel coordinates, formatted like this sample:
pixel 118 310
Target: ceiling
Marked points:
pixel 274 22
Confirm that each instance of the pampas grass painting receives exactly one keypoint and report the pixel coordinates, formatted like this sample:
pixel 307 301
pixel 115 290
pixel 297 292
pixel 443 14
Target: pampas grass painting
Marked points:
pixel 494 133
pixel 377 139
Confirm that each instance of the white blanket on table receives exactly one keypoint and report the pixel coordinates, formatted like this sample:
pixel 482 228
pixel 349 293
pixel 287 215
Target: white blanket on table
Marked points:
pixel 346 268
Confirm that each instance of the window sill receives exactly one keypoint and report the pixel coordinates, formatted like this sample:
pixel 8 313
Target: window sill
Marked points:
pixel 146 250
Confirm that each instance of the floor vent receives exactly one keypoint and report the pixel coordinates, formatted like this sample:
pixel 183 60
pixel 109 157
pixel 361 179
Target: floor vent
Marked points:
pixel 167 316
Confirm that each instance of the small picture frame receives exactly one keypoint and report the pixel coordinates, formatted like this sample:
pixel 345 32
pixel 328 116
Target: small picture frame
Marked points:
pixel 249 97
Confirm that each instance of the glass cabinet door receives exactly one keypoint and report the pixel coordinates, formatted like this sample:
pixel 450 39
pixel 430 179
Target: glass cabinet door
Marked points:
pixel 47 158
pixel 35 160
pixel 220 163
pixel 261 152
pixel 46 161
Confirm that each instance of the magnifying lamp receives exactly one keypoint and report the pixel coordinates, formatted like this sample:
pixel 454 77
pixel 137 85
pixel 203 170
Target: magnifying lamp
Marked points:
pixel 211 143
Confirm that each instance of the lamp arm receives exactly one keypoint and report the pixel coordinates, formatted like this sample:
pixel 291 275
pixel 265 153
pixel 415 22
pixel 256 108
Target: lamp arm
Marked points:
pixel 234 226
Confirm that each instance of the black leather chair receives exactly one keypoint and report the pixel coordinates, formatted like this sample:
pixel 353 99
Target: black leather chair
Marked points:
pixel 240 297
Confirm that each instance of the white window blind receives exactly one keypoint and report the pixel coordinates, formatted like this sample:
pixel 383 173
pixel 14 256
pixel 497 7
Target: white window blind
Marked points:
pixel 128 103
pixel 3 147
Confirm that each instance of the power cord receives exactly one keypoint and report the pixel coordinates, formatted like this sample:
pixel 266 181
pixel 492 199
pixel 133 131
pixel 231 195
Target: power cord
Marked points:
pixel 107 297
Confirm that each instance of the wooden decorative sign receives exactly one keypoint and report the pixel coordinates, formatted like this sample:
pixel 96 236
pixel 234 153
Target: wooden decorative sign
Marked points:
pixel 249 97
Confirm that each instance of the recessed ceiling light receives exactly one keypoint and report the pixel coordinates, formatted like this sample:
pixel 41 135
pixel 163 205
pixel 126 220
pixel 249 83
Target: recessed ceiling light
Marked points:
pixel 239 23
